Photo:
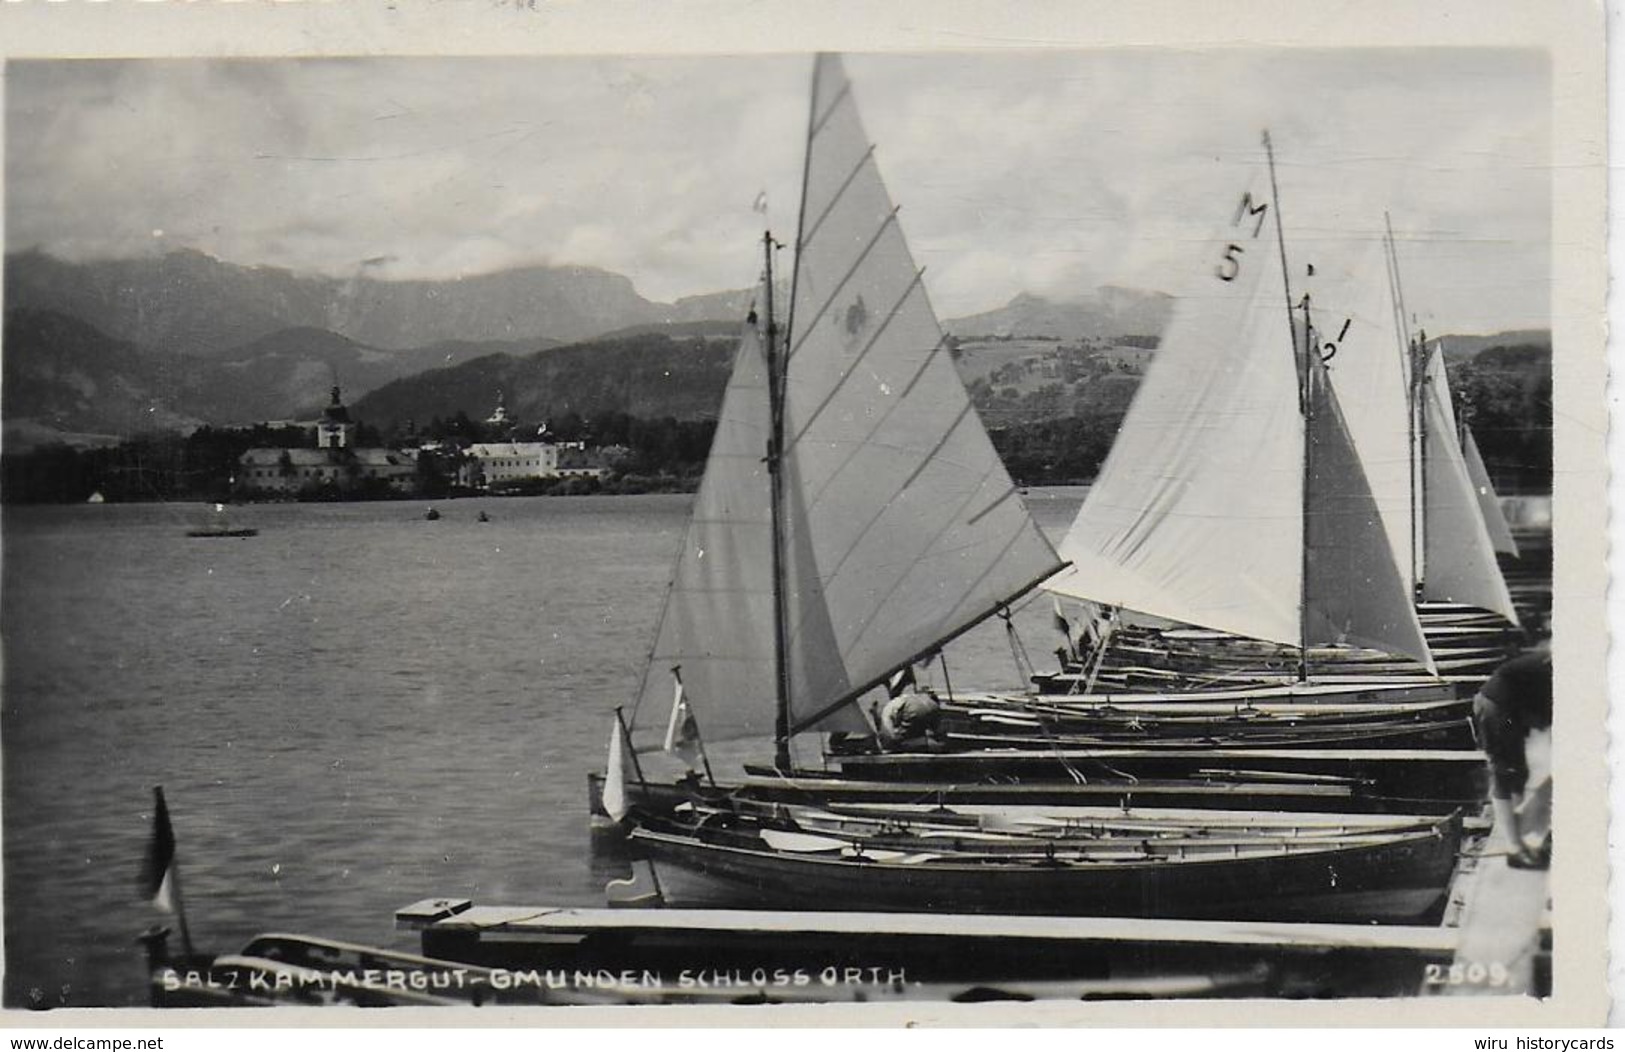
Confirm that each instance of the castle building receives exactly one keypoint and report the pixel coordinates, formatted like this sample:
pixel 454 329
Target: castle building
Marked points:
pixel 335 466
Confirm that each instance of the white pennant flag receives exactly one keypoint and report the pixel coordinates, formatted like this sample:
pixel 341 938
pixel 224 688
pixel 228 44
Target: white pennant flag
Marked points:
pixel 615 804
pixel 682 733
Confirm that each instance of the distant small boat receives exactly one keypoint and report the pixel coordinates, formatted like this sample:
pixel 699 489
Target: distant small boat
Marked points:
pixel 96 498
pixel 482 517
pixel 222 527
pixel 432 515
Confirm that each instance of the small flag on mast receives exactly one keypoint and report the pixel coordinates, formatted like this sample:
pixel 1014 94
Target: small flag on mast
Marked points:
pixel 682 732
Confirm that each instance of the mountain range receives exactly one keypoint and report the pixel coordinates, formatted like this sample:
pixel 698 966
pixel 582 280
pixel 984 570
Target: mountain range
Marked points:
pixel 1107 312
pixel 189 303
pixel 97 351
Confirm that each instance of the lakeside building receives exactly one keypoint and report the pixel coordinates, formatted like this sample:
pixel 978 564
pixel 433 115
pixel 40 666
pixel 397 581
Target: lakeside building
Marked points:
pixel 490 463
pixel 335 465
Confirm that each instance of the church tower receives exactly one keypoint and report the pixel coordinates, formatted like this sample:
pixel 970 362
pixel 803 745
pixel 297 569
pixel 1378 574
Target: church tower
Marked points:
pixel 335 431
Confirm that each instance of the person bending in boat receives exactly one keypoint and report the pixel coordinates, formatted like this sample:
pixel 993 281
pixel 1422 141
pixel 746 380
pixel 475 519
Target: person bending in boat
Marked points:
pixel 911 722
pixel 1514 703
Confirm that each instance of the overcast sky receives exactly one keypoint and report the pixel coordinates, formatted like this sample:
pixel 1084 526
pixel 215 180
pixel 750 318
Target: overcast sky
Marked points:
pixel 1046 172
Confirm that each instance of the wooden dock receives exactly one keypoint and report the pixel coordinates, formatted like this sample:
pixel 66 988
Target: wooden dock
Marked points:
pixel 930 956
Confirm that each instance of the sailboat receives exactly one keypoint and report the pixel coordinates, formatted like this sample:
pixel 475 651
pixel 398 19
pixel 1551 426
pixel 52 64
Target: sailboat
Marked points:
pixel 879 526
pixel 1489 502
pixel 881 523
pixel 1234 497
pixel 1458 550
pixel 1454 520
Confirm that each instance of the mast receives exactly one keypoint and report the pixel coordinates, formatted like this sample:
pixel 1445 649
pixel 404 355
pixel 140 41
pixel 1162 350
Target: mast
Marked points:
pixel 1416 411
pixel 775 475
pixel 1412 403
pixel 1305 407
pixel 1420 383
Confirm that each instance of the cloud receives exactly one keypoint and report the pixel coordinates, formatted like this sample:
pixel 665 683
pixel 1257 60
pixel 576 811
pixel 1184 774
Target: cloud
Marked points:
pixel 1047 172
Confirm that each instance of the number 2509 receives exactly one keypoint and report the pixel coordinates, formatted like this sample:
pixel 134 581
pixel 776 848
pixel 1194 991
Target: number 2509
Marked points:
pixel 1466 974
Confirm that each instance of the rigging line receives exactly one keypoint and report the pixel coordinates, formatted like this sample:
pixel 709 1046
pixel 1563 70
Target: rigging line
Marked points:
pixel 1018 648
pixel 801 208
pixel 1302 363
pixel 853 695
pixel 846 374
pixel 863 256
pixel 834 200
pixel 1399 282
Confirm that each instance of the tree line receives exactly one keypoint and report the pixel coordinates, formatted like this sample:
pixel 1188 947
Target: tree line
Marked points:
pixel 1504 395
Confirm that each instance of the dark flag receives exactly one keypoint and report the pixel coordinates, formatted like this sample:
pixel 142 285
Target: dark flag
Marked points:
pixel 158 873
pixel 160 877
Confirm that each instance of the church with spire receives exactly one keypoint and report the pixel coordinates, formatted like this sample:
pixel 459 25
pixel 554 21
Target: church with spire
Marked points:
pixel 337 467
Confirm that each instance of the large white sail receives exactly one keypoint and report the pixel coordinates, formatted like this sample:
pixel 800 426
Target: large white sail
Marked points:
pixel 1489 502
pixel 1459 563
pixel 902 527
pixel 718 619
pixel 1198 513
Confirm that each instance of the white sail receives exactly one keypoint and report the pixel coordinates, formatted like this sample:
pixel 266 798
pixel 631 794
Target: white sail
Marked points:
pixel 1198 513
pixel 1357 594
pixel 1353 308
pixel 1460 565
pixel 1489 502
pixel 718 619
pixel 902 527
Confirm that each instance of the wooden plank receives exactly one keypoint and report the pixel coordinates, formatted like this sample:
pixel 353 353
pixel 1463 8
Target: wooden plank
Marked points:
pixel 1342 757
pixel 430 910
pixel 1501 930
pixel 545 921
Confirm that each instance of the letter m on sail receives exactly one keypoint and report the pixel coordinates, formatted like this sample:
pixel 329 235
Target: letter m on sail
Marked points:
pixel 1249 208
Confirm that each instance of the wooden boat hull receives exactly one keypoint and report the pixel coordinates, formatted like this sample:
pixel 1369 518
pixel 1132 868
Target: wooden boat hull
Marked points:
pixel 823 788
pixel 1446 776
pixel 1402 879
pixel 1444 725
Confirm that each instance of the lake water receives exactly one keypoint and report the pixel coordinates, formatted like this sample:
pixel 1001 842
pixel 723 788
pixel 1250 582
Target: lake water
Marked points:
pixel 351 711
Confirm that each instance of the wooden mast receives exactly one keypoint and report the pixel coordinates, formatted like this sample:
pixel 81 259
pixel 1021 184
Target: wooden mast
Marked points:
pixel 775 475
pixel 1419 386
pixel 1301 359
pixel 1413 404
